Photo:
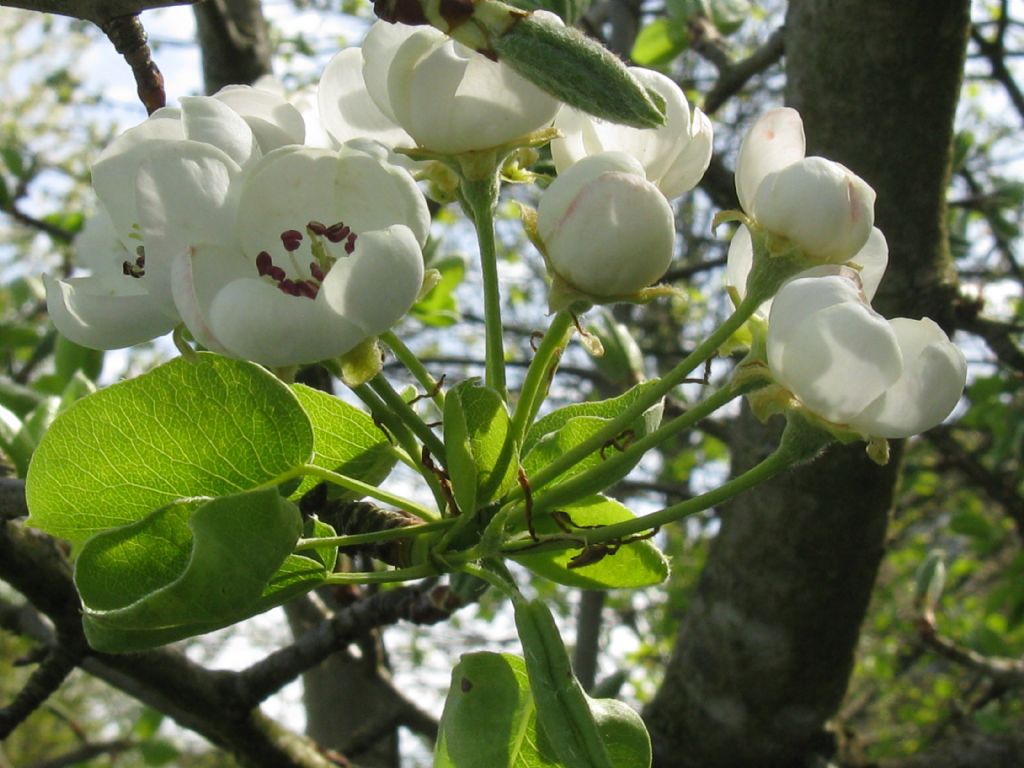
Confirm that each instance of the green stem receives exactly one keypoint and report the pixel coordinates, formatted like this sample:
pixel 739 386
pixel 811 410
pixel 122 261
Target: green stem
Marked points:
pixel 580 485
pixel 412 363
pixel 373 537
pixel 540 373
pixel 502 585
pixel 663 387
pixel 365 489
pixel 382 577
pixel 481 196
pixel 408 416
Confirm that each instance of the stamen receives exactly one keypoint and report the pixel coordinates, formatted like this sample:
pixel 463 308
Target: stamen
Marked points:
pixel 314 269
pixel 316 228
pixel 276 273
pixel 308 288
pixel 337 232
pixel 350 243
pixel 264 264
pixel 291 239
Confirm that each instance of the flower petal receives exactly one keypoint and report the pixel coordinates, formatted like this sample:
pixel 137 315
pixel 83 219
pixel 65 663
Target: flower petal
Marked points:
pixel 274 122
pixel 198 274
pixel 113 173
pixel 379 48
pixel 934 374
pixel 829 348
pixel 693 159
pixel 184 197
pixel 872 260
pixel 96 314
pixel 346 109
pixel 773 142
pixel 376 286
pixel 211 121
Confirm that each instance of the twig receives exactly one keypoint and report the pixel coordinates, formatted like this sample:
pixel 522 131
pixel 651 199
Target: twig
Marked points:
pixel 734 75
pixel 87 752
pixel 45 680
pixel 1008 673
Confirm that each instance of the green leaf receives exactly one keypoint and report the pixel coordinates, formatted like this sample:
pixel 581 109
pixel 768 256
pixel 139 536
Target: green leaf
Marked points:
pixel 486 714
pixel 208 427
pixel 315 528
pixel 33 428
pixel 623 732
pixel 69 358
pixel 345 440
pixel 18 399
pixel 13 160
pixel 440 308
pixel 636 564
pixel 190 567
pixel 660 42
pixel 604 409
pixel 482 460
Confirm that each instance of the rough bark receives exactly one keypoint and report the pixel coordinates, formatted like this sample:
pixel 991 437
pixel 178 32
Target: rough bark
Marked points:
pixel 235 42
pixel 763 657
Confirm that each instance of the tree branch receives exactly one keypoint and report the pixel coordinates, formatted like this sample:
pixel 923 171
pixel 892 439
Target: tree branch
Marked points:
pixel 1007 673
pixel 735 75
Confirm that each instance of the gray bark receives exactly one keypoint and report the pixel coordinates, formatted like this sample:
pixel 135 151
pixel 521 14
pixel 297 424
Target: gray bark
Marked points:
pixel 235 42
pixel 764 656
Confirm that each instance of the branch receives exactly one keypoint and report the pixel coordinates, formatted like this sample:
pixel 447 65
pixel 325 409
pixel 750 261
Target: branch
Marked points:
pixel 1007 673
pixel 732 76
pixel 422 603
pixel 997 335
pixel 87 752
pixel 59 662
pixel 98 12
pixel 991 750
pixel 994 52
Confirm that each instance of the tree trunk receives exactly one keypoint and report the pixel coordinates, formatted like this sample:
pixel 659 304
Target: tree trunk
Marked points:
pixel 764 656
pixel 235 42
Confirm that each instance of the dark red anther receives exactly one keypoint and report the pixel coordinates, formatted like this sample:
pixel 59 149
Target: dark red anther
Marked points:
pixel 264 264
pixel 290 287
pixel 291 239
pixel 315 271
pixel 276 273
pixel 337 232
pixel 317 228
pixel 126 269
pixel 350 243
pixel 307 288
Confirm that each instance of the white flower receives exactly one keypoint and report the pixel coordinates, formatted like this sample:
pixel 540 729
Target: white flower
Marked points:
pixel 416 82
pixel 852 367
pixel 674 156
pixel 870 262
pixel 126 297
pixel 606 230
pixel 325 252
pixel 820 206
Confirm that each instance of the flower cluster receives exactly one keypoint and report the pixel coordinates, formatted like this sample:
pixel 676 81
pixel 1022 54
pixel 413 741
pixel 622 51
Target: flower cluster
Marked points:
pixel 825 344
pixel 216 216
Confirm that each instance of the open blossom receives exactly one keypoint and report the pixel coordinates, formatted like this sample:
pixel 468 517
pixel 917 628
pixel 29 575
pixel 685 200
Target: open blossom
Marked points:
pixel 851 366
pixel 416 82
pixel 822 207
pixel 325 252
pixel 674 155
pixel 126 298
pixel 607 231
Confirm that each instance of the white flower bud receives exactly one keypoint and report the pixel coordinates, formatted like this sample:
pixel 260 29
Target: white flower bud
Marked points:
pixel 607 231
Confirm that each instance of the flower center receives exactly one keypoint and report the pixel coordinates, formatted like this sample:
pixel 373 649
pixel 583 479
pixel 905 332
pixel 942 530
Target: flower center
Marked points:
pixel 319 237
pixel 135 268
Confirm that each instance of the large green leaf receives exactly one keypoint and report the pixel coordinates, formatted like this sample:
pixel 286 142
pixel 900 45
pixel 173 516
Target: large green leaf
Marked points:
pixel 205 427
pixel 635 564
pixel 482 460
pixel 190 567
pixel 490 721
pixel 345 440
pixel 660 42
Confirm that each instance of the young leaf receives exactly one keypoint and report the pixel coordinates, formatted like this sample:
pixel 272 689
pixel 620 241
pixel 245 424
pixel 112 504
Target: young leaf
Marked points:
pixel 345 440
pixel 440 307
pixel 634 564
pixel 187 568
pixel 482 460
pixel 486 714
pixel 660 42
pixel 208 427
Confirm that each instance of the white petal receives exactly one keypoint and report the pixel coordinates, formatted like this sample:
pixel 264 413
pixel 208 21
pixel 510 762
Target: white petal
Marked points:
pixel 274 122
pixel 933 379
pixel 184 198
pixel 92 312
pixel 97 246
pixel 738 264
pixel 211 121
pixel 256 321
pixel 825 209
pixel 199 273
pixel 872 260
pixel 615 236
pixel 570 147
pixel 346 109
pixel 376 286
pixel 829 348
pixel 773 142
pixel 693 159
pixel 113 173
pixel 379 48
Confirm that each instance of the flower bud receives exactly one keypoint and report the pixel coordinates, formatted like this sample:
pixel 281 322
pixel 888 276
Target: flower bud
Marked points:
pixel 606 230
